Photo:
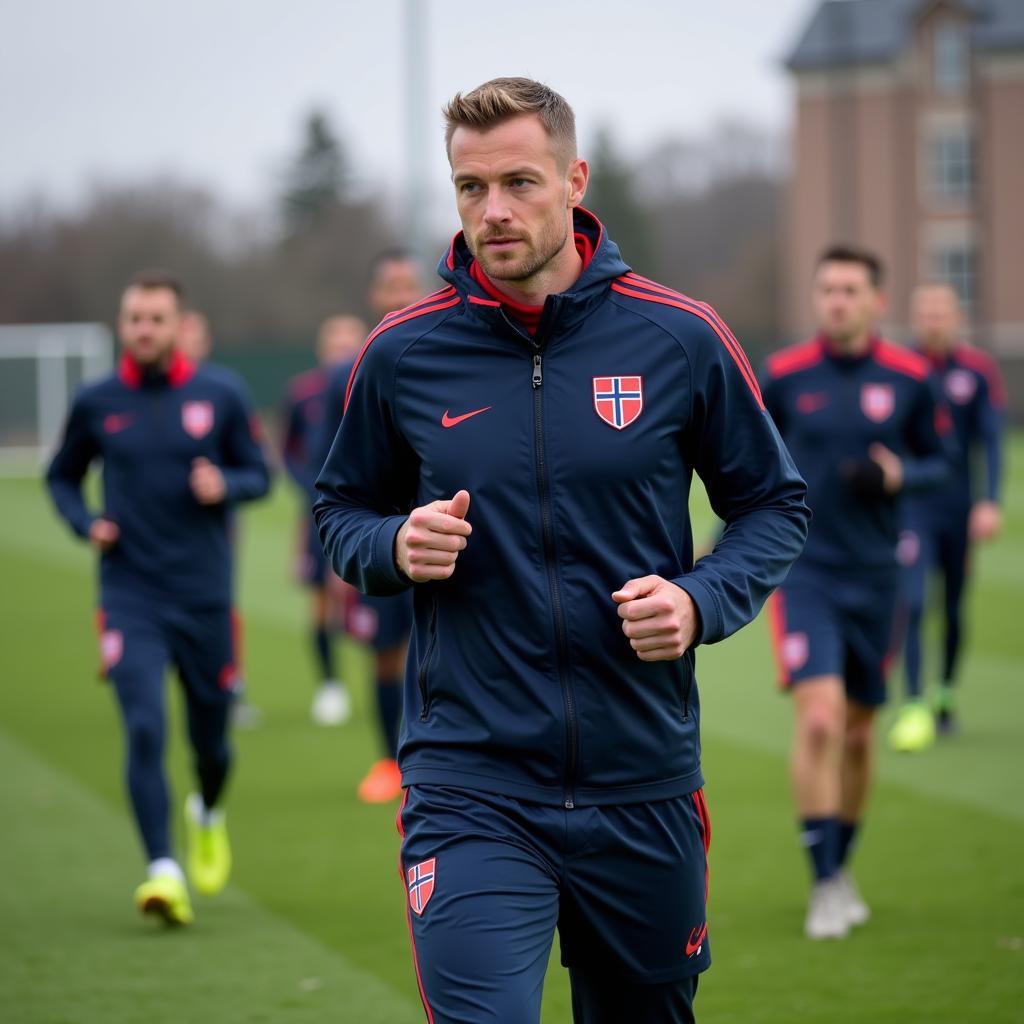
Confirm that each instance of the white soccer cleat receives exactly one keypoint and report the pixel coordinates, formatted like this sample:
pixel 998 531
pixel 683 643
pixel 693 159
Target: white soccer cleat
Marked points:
pixel 332 704
pixel 857 911
pixel 827 916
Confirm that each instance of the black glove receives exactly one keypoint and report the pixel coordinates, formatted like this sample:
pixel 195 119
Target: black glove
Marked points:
pixel 864 477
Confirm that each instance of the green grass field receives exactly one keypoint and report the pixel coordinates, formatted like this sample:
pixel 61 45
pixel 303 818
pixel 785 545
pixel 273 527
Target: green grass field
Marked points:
pixel 313 926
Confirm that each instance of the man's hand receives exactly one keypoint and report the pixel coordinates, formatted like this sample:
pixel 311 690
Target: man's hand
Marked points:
pixel 104 534
pixel 207 482
pixel 986 521
pixel 659 618
pixel 430 540
pixel 892 467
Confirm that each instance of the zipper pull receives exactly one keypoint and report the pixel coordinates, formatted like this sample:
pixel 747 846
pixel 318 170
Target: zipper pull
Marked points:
pixel 537 377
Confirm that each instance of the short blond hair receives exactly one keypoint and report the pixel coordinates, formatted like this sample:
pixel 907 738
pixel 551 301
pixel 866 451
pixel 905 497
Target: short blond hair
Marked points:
pixel 501 99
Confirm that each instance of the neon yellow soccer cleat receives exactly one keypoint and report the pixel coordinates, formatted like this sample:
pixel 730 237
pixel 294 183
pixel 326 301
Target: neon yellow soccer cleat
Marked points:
pixel 167 897
pixel 209 852
pixel 914 729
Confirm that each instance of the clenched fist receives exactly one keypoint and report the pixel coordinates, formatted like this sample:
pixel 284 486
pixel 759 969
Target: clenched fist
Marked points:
pixel 104 534
pixel 207 482
pixel 659 618
pixel 430 540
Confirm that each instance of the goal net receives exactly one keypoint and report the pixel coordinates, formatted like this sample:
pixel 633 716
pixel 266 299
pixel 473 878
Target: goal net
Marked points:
pixel 41 366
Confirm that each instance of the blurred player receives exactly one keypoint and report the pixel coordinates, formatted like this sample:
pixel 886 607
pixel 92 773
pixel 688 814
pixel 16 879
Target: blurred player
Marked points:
pixel 938 529
pixel 195 343
pixel 338 342
pixel 383 622
pixel 533 429
pixel 178 450
pixel 861 422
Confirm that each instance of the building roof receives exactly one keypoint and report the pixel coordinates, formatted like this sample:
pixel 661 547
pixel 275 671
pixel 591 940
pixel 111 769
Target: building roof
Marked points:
pixel 846 32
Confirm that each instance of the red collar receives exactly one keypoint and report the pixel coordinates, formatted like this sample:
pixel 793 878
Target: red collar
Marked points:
pixel 528 316
pixel 830 347
pixel 179 370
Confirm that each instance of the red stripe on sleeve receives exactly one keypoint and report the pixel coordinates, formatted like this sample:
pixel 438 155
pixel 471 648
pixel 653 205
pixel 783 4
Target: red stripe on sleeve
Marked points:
pixel 447 304
pixel 733 347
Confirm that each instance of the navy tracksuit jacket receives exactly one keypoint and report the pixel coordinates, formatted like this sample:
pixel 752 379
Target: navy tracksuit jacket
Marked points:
pixel 577 446
pixel 830 408
pixel 147 428
pixel 973 388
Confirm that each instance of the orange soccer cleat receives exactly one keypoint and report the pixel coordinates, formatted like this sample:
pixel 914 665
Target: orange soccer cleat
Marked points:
pixel 383 782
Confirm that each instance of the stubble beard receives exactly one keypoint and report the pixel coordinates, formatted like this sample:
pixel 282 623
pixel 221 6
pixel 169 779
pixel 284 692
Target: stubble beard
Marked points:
pixel 535 260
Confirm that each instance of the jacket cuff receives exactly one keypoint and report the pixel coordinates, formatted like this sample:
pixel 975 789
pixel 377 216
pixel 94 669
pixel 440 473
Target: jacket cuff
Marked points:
pixel 710 628
pixel 383 557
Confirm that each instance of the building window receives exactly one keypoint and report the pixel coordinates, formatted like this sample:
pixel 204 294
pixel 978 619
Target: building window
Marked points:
pixel 950 58
pixel 950 170
pixel 957 265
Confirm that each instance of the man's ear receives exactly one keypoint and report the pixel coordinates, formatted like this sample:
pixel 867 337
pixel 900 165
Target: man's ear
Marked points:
pixel 577 178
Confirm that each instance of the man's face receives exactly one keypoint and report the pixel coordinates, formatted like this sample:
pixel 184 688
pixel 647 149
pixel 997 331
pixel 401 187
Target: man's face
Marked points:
pixel 513 196
pixel 340 338
pixel 935 316
pixel 396 284
pixel 148 324
pixel 846 303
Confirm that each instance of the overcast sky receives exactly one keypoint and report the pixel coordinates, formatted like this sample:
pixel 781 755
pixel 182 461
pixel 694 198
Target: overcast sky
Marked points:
pixel 213 91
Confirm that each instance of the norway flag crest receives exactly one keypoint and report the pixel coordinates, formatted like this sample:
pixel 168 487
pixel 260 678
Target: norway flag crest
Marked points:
pixel 619 400
pixel 420 880
pixel 877 401
pixel 197 418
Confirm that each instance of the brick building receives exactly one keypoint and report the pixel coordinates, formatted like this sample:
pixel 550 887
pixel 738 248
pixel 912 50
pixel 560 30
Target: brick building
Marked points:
pixel 909 139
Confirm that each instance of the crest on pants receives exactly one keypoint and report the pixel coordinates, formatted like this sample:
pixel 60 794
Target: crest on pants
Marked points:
pixel 877 401
pixel 795 650
pixel 619 400
pixel 420 881
pixel 197 418
pixel 111 648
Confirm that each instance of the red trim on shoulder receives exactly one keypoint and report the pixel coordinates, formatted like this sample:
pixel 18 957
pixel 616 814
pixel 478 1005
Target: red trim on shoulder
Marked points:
pixel 902 360
pixel 800 356
pixel 710 318
pixel 736 348
pixel 477 301
pixel 426 300
pixel 383 326
pixel 980 361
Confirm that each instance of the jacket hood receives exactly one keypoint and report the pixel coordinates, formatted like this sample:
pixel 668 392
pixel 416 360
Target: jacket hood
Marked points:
pixel 605 265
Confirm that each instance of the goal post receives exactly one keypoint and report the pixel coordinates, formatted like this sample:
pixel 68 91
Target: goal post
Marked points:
pixel 41 366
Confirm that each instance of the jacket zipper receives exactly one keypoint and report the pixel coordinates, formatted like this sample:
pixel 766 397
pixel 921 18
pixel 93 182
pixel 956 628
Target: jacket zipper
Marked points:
pixel 561 634
pixel 425 663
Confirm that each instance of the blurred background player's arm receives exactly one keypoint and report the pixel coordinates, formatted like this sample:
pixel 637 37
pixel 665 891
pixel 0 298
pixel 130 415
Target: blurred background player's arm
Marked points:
pixel 986 516
pixel 244 466
pixel 930 443
pixel 296 449
pixel 68 469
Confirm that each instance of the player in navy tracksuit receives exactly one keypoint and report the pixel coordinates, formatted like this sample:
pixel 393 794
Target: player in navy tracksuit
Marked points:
pixel 938 528
pixel 863 426
pixel 179 451
pixel 518 449
pixel 382 622
pixel 338 341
